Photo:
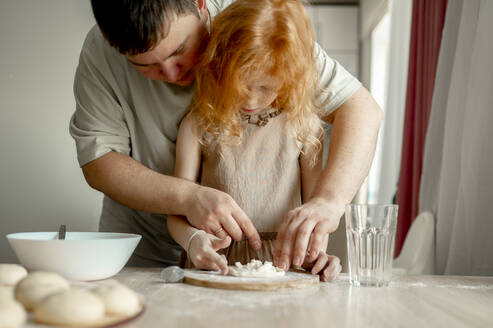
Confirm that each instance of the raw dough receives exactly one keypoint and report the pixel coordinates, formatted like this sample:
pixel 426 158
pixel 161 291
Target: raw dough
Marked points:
pixel 172 274
pixel 6 293
pixel 38 285
pixel 11 274
pixel 75 306
pixel 256 269
pixel 12 314
pixel 118 299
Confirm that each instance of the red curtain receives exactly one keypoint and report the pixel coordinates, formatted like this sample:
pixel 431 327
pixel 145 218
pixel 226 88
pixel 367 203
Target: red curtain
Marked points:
pixel 426 34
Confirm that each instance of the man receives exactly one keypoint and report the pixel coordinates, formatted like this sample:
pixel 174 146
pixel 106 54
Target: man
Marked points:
pixel 132 87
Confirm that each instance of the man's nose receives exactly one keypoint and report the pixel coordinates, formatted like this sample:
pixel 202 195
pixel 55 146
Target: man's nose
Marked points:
pixel 170 71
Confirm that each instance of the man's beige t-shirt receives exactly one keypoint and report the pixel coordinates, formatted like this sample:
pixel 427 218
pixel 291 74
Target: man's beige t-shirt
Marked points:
pixel 118 109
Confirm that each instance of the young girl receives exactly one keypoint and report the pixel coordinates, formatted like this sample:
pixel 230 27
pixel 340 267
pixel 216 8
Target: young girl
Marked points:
pixel 253 130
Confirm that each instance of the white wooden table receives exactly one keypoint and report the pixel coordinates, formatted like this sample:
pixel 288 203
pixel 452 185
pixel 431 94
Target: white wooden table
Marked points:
pixel 409 301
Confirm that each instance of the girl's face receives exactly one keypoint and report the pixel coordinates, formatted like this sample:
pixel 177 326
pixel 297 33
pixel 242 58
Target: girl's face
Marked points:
pixel 262 92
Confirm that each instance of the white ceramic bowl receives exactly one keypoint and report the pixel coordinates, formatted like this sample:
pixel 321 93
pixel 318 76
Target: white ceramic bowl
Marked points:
pixel 81 256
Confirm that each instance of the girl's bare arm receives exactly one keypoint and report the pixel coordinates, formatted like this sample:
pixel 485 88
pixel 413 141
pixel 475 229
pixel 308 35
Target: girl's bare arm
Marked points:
pixel 187 166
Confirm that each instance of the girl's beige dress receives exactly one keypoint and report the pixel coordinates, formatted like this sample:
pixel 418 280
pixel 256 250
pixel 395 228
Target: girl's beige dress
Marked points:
pixel 263 176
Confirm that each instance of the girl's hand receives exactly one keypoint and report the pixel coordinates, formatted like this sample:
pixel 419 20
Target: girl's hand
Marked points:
pixel 202 250
pixel 327 266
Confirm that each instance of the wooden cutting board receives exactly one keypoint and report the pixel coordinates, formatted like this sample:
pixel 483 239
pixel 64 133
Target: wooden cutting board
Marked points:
pixel 214 279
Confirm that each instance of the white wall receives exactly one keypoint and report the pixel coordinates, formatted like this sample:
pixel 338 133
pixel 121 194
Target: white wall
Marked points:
pixel 337 33
pixel 41 185
pixel 371 12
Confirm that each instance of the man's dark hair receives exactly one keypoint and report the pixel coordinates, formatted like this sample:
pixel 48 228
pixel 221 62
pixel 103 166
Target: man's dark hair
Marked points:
pixel 136 26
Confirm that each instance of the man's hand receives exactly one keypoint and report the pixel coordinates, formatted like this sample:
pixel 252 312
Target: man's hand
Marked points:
pixel 305 228
pixel 326 266
pixel 352 146
pixel 217 213
pixel 203 249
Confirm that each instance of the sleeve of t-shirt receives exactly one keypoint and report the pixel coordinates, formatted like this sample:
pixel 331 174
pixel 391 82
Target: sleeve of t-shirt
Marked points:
pixel 98 125
pixel 215 6
pixel 336 83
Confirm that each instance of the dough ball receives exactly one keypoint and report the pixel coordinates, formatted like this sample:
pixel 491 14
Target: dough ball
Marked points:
pixel 6 293
pixel 11 274
pixel 75 306
pixel 12 314
pixel 172 274
pixel 38 285
pixel 118 299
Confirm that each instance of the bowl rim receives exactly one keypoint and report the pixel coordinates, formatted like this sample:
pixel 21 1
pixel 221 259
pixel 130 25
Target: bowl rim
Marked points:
pixel 123 236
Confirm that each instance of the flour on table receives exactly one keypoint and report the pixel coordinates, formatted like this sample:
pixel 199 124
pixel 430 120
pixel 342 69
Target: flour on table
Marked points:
pixel 256 269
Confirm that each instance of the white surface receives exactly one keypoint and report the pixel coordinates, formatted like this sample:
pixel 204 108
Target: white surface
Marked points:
pixel 457 179
pixel 418 253
pixel 41 185
pixel 409 301
pixel 82 256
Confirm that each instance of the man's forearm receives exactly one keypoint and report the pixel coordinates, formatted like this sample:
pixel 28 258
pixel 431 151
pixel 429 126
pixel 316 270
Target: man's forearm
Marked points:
pixel 132 184
pixel 352 147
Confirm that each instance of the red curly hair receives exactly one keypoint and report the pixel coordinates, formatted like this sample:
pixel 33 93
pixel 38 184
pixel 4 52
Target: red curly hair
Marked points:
pixel 251 38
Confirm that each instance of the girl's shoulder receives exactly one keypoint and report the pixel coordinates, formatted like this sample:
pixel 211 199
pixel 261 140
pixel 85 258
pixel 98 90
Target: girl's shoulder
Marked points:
pixel 190 121
pixel 190 127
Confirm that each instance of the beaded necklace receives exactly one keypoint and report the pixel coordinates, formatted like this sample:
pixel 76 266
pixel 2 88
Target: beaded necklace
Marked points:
pixel 260 119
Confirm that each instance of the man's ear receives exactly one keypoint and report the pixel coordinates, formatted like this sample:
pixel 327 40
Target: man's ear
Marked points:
pixel 202 7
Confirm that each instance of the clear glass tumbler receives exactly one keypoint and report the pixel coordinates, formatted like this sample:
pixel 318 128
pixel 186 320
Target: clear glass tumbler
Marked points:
pixel 370 231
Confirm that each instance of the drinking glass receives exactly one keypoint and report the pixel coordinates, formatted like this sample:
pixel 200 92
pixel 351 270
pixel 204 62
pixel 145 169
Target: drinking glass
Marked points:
pixel 370 231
